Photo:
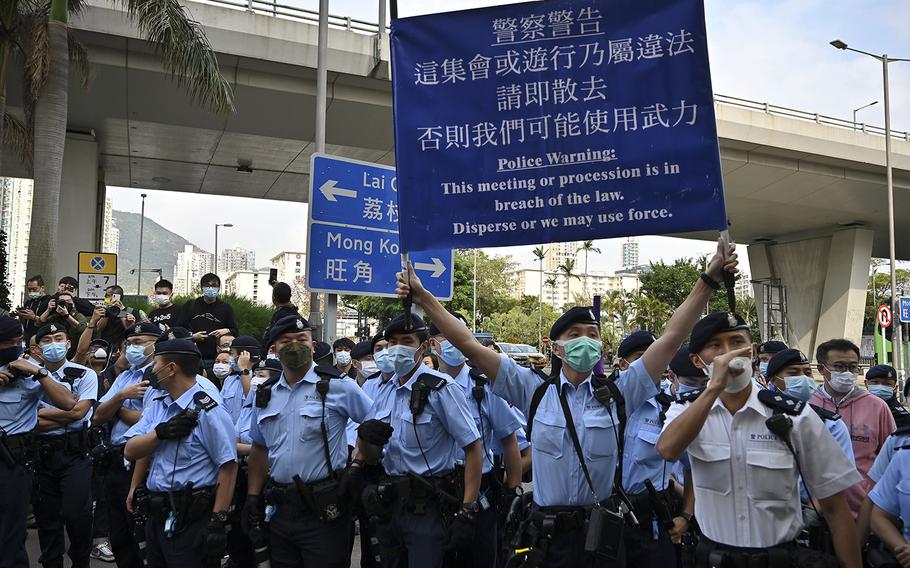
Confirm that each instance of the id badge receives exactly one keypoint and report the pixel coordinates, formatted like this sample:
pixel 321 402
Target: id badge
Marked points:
pixel 484 502
pixel 170 524
pixel 270 511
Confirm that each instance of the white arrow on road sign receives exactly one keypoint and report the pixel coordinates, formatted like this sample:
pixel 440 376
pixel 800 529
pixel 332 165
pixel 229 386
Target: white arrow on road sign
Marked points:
pixel 437 267
pixel 331 191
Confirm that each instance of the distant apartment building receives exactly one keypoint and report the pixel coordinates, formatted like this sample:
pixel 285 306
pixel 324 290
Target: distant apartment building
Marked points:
pixel 235 259
pixel 527 282
pixel 15 222
pixel 110 235
pixel 191 265
pixel 630 254
pixel 251 285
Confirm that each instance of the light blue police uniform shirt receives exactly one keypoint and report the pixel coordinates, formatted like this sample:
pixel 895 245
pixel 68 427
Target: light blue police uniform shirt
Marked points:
pixel 444 425
pixel 557 473
pixel 895 441
pixel 495 422
pixel 246 417
pixel 371 386
pixel 19 404
pixel 640 458
pixel 197 457
pixel 892 492
pixel 523 444
pixel 289 426
pixel 232 395
pixel 83 388
pixel 127 378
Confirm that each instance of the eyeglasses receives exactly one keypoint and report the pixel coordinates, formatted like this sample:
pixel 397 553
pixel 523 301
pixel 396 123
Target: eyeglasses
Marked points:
pixel 840 368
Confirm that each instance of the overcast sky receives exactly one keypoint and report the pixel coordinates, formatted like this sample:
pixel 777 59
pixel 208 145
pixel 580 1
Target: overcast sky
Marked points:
pixel 765 50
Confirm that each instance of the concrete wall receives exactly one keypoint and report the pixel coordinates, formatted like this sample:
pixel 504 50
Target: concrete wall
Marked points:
pixel 825 280
pixel 79 223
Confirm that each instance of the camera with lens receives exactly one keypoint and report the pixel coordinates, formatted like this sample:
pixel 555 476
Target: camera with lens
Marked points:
pixel 112 311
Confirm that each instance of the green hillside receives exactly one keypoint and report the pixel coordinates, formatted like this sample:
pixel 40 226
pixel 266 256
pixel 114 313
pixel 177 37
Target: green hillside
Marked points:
pixel 159 250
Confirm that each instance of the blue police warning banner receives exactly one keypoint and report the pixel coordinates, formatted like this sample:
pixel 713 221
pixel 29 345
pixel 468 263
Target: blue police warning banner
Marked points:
pixel 563 120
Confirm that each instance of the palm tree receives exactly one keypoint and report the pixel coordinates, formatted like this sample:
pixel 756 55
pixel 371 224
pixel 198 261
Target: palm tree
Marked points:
pixel 551 283
pixel 588 247
pixel 568 271
pixel 539 254
pixel 651 313
pixel 186 55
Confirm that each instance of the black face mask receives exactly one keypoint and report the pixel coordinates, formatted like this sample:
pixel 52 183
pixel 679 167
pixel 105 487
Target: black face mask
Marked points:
pixel 151 376
pixel 10 354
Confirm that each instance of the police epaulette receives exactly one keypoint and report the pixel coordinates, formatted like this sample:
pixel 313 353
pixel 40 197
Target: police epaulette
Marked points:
pixel 159 398
pixel 204 401
pixel 328 372
pixel 825 414
pixel 432 381
pixel 689 396
pixel 478 375
pixel 375 375
pixel 74 372
pixel 901 416
pixel 902 431
pixel 264 391
pixel 781 402
pixel 663 399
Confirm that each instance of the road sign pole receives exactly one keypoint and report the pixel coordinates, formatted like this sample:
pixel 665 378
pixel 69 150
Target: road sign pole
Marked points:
pixel 141 231
pixel 321 83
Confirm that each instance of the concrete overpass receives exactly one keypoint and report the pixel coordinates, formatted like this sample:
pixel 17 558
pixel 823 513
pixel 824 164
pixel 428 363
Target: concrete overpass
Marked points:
pixel 806 192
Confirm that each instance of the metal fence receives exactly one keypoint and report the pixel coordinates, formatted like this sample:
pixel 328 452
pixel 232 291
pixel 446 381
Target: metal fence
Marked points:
pixel 274 8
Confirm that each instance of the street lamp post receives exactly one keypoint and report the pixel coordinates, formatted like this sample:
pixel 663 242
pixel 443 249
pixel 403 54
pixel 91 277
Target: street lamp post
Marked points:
pixel 895 307
pixel 856 110
pixel 141 235
pixel 215 268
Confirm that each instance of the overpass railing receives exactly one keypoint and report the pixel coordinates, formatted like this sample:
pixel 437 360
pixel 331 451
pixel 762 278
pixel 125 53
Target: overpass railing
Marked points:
pixel 279 10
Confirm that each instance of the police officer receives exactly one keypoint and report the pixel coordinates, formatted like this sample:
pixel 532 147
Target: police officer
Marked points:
pixel 191 443
pixel 22 385
pixel 495 420
pixel 575 450
pixel 645 475
pixel 881 380
pixel 747 447
pixel 236 386
pixel 65 470
pixel 766 351
pixel 890 496
pixel 121 407
pixel 299 453
pixel 424 417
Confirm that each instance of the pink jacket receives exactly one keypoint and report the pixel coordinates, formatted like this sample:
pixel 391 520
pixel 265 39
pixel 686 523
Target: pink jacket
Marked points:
pixel 870 421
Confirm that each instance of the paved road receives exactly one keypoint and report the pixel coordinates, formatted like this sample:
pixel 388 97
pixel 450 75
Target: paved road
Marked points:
pixel 34 552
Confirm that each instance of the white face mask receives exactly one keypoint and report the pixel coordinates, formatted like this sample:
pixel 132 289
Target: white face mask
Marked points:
pixel 842 382
pixel 343 358
pixel 256 381
pixel 368 368
pixel 737 382
pixel 221 370
pixel 162 299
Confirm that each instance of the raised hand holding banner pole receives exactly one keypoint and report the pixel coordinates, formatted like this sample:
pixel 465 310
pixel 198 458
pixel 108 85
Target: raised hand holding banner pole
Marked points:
pixel 407 302
pixel 729 277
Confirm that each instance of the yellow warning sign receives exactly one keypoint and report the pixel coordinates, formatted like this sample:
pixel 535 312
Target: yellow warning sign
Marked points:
pixel 97 263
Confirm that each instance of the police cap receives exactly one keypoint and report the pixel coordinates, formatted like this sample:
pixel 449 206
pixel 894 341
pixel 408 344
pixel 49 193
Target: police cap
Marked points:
pixel 177 346
pixel 638 341
pixel 434 331
pixel 246 343
pixel 49 329
pixel 578 314
pixel 175 333
pixel 881 372
pixel 269 365
pixel 321 350
pixel 683 366
pixel 376 339
pixel 145 328
pixel 397 326
pixel 288 324
pixel 10 328
pixel 771 347
pixel 784 359
pixel 361 350
pixel 712 324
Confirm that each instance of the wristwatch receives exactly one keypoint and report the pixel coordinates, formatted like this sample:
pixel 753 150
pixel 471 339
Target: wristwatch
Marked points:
pixel 687 516
pixel 245 372
pixel 40 374
pixel 471 507
pixel 220 517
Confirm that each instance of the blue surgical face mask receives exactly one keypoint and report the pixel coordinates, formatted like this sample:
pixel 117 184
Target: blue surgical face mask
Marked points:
pixel 881 391
pixel 135 355
pixel 686 388
pixel 53 352
pixel 582 353
pixel 383 361
pixel 800 387
pixel 210 292
pixel 450 354
pixel 763 368
pixel 233 363
pixel 403 358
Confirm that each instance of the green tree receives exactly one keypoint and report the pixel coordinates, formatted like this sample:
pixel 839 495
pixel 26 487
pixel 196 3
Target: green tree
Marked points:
pixel 47 50
pixel 651 314
pixel 494 285
pixel 588 247
pixel 879 288
pixel 519 325
pixel 567 269
pixel 671 283
pixel 374 308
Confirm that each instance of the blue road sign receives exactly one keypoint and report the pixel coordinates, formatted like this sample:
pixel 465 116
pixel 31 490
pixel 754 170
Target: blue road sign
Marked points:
pixel 563 120
pixel 352 237
pixel 97 263
pixel 905 310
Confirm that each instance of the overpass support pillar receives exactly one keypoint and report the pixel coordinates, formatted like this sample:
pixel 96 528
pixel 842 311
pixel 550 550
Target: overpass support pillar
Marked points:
pixel 825 280
pixel 82 195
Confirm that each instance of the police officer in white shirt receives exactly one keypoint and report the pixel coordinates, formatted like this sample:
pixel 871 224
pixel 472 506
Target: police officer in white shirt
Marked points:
pixel 741 442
